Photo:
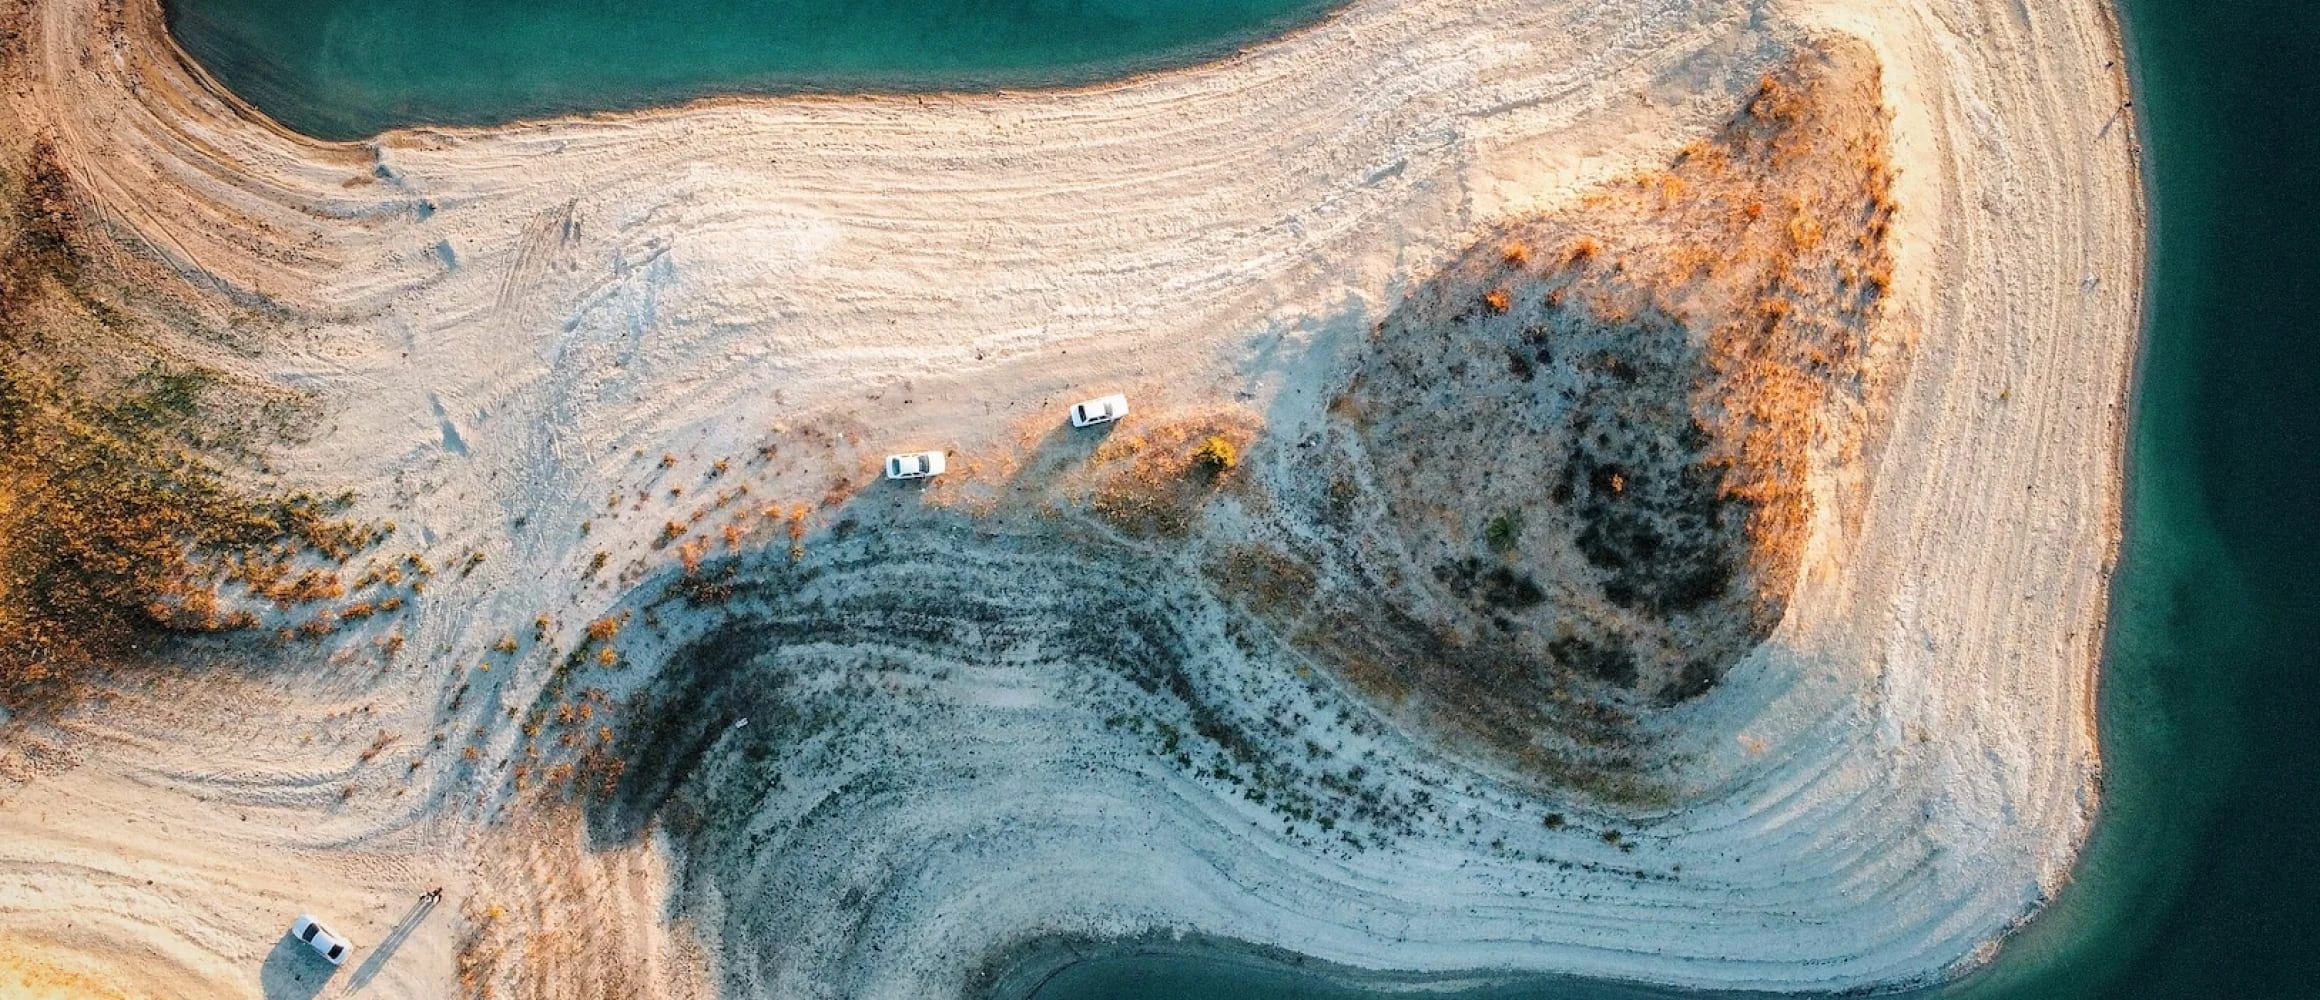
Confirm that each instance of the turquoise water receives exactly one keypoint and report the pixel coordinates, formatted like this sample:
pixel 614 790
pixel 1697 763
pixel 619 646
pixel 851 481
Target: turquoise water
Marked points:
pixel 342 69
pixel 2203 876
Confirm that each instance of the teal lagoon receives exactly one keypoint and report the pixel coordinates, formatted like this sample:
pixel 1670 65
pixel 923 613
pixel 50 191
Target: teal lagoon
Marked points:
pixel 347 69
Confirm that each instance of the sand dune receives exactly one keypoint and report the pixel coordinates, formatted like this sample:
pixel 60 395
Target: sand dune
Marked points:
pixel 510 327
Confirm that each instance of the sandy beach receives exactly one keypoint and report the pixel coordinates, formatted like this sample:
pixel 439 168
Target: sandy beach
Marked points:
pixel 561 356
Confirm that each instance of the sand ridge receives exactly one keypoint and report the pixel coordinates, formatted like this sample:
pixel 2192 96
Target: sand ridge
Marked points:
pixel 510 325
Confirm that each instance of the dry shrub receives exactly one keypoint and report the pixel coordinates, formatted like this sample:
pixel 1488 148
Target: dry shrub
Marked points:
pixel 1216 455
pixel 605 629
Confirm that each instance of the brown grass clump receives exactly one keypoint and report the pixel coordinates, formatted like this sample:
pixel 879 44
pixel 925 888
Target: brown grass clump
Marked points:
pixel 691 553
pixel 605 629
pixel 118 526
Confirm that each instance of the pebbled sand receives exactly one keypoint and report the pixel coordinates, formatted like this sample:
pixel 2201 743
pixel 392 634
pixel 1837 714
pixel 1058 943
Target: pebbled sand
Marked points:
pixel 512 324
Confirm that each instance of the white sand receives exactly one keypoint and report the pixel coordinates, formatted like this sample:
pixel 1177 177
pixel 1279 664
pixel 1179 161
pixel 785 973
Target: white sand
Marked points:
pixel 1903 773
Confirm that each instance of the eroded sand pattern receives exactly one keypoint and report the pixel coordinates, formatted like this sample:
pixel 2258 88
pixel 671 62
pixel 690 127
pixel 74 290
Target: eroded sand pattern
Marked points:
pixel 1624 490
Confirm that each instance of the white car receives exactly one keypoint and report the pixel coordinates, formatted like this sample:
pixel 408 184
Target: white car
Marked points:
pixel 915 465
pixel 1101 410
pixel 329 943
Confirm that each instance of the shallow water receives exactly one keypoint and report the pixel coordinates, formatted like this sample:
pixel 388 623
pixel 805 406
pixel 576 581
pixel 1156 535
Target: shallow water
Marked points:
pixel 2203 875
pixel 341 69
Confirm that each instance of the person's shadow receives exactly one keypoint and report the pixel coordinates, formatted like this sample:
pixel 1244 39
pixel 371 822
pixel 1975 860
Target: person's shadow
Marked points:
pixel 378 957
pixel 293 971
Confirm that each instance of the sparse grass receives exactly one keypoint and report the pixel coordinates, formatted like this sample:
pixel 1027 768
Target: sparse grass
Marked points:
pixel 118 523
pixel 384 740
pixel 552 939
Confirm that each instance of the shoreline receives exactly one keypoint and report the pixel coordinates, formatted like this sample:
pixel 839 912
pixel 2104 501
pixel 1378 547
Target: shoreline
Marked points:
pixel 1123 72
pixel 508 323
pixel 1033 968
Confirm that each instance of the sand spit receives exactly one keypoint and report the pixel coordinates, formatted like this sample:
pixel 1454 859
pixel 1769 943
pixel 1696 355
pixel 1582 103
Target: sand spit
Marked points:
pixel 621 382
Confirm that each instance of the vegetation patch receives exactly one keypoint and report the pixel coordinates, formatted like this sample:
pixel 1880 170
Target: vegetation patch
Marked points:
pixel 1599 433
pixel 119 527
pixel 1152 480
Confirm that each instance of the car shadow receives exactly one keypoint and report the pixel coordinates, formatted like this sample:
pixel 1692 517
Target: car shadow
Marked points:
pixel 1061 447
pixel 293 971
